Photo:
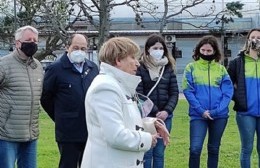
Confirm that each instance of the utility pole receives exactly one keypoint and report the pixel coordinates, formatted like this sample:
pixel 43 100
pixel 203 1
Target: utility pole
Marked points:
pixel 258 14
pixel 224 43
pixel 11 47
pixel 222 29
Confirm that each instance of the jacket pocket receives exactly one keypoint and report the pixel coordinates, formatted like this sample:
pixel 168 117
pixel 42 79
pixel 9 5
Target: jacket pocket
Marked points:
pixel 65 88
pixel 6 118
pixel 4 122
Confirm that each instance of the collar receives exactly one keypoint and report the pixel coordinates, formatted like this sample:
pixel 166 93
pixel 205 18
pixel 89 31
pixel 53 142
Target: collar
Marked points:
pixel 202 61
pixel 28 62
pixel 248 57
pixel 128 81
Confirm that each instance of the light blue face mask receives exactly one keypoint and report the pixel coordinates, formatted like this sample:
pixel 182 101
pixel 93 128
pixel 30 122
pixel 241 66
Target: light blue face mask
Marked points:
pixel 78 56
pixel 157 54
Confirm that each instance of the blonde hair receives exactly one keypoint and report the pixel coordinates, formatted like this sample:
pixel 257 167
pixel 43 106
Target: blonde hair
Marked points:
pixel 118 48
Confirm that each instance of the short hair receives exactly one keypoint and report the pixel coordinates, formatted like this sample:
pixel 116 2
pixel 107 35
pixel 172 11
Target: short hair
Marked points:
pixel 246 46
pixel 71 37
pixel 211 40
pixel 118 48
pixel 152 40
pixel 19 32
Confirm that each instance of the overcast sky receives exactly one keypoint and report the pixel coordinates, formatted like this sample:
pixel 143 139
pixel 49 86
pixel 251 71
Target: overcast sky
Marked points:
pixel 251 7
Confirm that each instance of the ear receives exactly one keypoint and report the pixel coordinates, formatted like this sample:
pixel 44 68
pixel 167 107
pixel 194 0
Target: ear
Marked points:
pixel 16 42
pixel 118 62
pixel 67 48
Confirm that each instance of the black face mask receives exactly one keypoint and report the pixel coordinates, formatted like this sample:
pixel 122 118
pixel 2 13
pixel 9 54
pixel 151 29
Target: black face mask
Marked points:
pixel 29 48
pixel 208 57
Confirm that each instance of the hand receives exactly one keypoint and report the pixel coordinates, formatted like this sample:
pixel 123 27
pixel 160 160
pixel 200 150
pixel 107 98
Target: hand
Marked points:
pixel 162 131
pixel 162 115
pixel 206 115
pixel 154 140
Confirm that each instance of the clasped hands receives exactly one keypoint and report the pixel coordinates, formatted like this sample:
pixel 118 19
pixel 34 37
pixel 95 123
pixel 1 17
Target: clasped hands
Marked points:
pixel 162 132
pixel 206 115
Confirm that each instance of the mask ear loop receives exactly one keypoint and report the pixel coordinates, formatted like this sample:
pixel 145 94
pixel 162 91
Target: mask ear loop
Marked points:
pixel 138 95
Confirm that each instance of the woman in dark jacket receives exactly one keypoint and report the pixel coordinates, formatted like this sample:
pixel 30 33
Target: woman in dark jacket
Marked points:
pixel 156 61
pixel 244 72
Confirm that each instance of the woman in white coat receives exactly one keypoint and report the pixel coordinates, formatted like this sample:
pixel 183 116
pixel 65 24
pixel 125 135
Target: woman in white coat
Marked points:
pixel 115 131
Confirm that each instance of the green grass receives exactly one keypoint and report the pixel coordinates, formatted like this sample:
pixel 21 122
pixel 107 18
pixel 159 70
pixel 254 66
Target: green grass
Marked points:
pixel 48 154
pixel 177 153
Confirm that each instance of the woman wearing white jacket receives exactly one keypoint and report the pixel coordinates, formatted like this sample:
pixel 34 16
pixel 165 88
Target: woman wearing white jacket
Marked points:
pixel 115 131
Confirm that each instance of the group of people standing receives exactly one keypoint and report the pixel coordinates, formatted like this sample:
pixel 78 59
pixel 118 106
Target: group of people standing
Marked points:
pixel 99 112
pixel 209 88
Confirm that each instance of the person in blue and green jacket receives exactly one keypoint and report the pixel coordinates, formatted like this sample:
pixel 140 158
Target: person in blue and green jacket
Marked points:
pixel 208 90
pixel 244 72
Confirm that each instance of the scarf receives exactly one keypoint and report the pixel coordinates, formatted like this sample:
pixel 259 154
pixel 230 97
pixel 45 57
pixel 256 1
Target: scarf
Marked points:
pixel 155 68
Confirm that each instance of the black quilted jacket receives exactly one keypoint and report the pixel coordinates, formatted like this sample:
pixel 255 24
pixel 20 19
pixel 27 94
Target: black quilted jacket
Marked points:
pixel 165 95
pixel 236 72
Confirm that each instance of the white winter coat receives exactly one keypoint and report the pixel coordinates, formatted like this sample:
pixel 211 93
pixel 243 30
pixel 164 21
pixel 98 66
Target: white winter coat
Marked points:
pixel 115 136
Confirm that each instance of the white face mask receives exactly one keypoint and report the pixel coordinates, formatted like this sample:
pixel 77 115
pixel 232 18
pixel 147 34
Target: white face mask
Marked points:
pixel 78 56
pixel 156 54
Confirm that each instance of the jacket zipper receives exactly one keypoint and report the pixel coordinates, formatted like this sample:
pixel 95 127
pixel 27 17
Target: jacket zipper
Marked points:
pixel 31 112
pixel 209 84
pixel 257 87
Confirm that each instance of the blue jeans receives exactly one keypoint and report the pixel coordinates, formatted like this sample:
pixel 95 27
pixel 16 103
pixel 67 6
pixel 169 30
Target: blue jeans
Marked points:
pixel 155 156
pixel 198 131
pixel 248 126
pixel 24 153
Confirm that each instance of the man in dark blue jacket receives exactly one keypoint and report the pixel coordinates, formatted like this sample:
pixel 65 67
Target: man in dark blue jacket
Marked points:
pixel 66 82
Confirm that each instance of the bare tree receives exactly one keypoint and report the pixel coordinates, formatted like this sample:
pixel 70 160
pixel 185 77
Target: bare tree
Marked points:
pixel 55 19
pixel 94 13
pixel 166 11
pixel 100 10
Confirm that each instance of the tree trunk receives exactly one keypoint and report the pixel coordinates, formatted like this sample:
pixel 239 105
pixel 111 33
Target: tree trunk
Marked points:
pixel 104 20
pixel 165 13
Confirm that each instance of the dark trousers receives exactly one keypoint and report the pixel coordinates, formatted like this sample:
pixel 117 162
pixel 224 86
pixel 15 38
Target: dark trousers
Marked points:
pixel 198 131
pixel 71 154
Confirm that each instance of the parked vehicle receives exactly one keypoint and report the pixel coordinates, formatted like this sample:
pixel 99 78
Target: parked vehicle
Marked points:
pixel 46 63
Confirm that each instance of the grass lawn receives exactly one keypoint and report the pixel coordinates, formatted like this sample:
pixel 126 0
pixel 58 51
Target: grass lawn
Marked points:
pixel 177 152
